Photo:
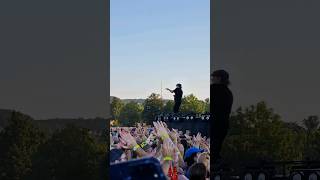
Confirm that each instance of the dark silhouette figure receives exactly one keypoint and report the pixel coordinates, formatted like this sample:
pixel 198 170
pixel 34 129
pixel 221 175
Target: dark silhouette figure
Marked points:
pixel 220 108
pixel 198 171
pixel 177 97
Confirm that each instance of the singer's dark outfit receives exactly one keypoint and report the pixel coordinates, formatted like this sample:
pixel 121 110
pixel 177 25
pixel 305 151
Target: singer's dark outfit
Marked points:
pixel 220 108
pixel 177 99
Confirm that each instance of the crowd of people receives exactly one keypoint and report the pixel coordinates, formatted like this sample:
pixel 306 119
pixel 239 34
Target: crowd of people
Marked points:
pixel 182 156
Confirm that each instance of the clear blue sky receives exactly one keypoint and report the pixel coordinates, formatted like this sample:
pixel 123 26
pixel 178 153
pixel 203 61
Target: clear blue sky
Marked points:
pixel 154 41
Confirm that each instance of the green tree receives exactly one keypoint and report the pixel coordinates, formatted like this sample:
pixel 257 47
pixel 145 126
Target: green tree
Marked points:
pixel 313 151
pixel 18 142
pixel 207 105
pixel 168 107
pixel 311 123
pixel 153 106
pixel 191 104
pixel 131 114
pixel 259 133
pixel 71 153
pixel 294 126
pixel 116 107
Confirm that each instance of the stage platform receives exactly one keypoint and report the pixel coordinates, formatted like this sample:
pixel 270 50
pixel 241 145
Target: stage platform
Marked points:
pixel 193 122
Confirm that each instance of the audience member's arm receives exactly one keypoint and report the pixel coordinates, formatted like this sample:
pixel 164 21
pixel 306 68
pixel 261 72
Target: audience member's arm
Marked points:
pixel 167 155
pixel 140 152
pixel 132 144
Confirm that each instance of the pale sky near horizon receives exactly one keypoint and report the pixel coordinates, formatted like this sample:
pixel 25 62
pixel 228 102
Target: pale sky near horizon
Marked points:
pixel 159 41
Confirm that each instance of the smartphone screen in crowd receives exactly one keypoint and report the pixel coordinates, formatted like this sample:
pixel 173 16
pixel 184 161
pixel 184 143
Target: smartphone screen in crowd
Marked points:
pixel 140 169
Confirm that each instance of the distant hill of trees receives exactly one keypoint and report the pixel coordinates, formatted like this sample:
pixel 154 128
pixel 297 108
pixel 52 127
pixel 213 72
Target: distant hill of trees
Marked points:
pixel 50 125
pixel 256 131
pixel 139 101
pixel 68 152
pixel 127 112
pixel 28 151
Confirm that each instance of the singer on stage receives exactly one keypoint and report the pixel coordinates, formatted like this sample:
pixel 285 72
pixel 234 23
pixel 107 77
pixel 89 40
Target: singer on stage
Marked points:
pixel 177 97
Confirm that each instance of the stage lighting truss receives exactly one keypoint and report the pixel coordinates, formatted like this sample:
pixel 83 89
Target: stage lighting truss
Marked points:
pixel 166 117
pixel 262 176
pixel 189 118
pixel 310 174
pixel 176 118
pixel 314 176
pixel 255 175
pixel 248 176
pixel 297 175
pixel 305 172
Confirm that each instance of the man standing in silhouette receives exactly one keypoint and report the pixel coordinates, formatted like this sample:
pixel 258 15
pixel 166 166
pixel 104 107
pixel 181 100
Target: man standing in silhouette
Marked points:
pixel 177 97
pixel 220 108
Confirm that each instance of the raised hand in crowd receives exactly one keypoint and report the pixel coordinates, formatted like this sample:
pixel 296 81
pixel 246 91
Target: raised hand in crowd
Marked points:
pixel 197 140
pixel 161 130
pixel 130 143
pixel 174 136
pixel 127 139
pixel 169 146
pixel 181 149
pixel 168 155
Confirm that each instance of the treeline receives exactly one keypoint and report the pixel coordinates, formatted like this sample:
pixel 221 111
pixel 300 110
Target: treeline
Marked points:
pixel 128 114
pixel 258 133
pixel 26 152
